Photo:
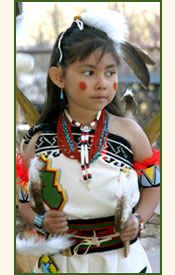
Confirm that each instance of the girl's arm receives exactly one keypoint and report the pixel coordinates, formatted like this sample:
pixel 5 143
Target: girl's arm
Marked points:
pixel 26 212
pixel 55 222
pixel 149 197
pixel 149 200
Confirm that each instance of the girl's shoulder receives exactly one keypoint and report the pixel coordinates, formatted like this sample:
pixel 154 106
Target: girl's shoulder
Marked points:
pixel 39 127
pixel 134 134
pixel 31 138
pixel 123 126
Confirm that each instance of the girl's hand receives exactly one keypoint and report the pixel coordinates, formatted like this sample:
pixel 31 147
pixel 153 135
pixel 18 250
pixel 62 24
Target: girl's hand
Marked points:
pixel 55 222
pixel 131 229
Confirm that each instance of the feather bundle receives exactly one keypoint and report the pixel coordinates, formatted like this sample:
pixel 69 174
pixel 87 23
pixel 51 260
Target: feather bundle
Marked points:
pixel 34 170
pixel 127 196
pixel 37 246
pixel 123 210
pixel 34 186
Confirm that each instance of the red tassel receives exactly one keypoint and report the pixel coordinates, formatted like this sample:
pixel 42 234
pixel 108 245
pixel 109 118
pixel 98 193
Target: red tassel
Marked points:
pixel 21 171
pixel 154 159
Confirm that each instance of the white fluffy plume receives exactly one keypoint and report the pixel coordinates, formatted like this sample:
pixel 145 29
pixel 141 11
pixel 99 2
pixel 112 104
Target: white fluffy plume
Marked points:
pixel 109 21
pixel 40 246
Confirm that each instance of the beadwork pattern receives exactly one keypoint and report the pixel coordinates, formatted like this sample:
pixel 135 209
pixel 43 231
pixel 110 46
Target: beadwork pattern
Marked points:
pixel 68 146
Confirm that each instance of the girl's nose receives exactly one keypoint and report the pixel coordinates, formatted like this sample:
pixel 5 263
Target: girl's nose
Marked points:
pixel 101 83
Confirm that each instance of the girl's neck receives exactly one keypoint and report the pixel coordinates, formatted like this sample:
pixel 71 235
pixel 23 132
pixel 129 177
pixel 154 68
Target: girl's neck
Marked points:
pixel 85 117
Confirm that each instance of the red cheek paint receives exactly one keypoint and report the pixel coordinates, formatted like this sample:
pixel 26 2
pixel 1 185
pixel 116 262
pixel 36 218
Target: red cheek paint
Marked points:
pixel 82 86
pixel 115 85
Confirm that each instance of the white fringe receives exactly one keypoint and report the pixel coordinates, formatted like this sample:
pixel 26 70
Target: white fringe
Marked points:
pixel 37 247
pixel 109 21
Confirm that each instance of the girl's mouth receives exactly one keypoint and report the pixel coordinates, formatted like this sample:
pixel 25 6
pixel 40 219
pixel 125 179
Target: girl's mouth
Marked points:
pixel 99 97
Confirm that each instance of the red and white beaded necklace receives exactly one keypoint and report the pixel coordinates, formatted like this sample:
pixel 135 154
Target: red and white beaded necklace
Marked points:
pixel 84 154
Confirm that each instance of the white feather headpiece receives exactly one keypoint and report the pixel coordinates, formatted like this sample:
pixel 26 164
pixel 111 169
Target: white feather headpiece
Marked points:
pixel 108 21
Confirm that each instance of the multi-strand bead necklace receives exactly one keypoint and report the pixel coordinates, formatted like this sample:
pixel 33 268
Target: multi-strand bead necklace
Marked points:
pixel 88 153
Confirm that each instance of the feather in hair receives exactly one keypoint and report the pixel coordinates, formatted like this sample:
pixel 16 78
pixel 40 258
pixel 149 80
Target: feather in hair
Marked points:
pixel 135 62
pixel 147 59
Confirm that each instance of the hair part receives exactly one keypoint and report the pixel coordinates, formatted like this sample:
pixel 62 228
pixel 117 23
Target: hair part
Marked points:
pixel 76 45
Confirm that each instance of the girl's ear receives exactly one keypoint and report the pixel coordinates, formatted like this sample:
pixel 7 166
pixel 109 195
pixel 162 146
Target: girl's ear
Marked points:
pixel 56 75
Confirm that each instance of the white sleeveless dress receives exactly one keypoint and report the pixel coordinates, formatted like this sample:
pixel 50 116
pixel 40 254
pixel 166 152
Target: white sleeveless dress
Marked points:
pixel 96 199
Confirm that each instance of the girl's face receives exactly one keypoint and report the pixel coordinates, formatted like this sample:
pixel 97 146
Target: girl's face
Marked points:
pixel 91 84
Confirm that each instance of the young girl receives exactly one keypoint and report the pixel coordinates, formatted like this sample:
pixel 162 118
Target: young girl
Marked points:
pixel 85 142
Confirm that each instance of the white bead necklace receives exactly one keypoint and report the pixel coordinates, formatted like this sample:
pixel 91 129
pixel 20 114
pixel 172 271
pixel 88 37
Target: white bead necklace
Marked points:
pixel 85 129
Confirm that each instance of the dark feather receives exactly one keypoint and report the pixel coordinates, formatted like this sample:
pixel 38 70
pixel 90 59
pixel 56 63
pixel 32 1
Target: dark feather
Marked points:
pixel 135 62
pixel 148 60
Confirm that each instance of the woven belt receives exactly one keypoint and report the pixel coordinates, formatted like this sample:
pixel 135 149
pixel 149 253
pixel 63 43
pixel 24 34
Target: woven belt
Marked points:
pixel 95 235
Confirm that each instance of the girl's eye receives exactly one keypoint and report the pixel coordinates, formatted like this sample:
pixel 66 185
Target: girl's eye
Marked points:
pixel 110 73
pixel 88 73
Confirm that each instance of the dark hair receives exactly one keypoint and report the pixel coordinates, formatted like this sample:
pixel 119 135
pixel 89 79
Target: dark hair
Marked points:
pixel 76 45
